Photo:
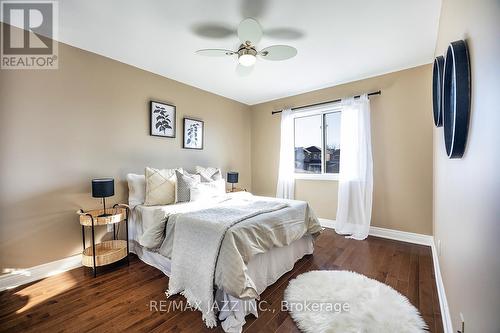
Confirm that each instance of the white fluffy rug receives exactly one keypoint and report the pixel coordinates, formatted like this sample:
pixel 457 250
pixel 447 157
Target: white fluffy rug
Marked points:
pixel 345 302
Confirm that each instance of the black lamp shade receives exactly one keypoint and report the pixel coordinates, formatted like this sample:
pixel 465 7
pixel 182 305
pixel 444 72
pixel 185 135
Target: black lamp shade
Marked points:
pixel 232 177
pixel 103 187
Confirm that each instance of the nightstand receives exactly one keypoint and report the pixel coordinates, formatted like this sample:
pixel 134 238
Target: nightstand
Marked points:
pixel 106 252
pixel 237 189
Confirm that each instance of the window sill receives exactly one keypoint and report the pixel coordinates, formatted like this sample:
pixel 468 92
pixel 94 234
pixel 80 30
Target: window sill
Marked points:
pixel 317 176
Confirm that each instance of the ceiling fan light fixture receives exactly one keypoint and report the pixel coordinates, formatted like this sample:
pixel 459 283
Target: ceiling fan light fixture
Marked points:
pixel 250 33
pixel 247 59
pixel 247 55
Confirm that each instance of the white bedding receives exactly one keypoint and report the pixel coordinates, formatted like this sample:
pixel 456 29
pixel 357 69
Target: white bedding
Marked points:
pixel 197 245
pixel 264 254
pixel 241 242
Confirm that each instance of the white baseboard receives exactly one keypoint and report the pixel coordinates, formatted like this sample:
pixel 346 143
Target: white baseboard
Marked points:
pixel 413 238
pixel 443 303
pixel 404 236
pixel 24 276
pixel 330 224
pixel 398 235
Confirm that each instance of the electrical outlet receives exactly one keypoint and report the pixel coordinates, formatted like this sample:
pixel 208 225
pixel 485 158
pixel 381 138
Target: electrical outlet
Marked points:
pixel 462 330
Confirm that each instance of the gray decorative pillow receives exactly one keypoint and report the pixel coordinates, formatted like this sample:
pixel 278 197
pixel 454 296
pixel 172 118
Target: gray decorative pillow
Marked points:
pixel 209 174
pixel 184 184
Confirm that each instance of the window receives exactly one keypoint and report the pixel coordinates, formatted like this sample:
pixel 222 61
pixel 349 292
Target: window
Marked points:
pixel 317 143
pixel 308 143
pixel 332 142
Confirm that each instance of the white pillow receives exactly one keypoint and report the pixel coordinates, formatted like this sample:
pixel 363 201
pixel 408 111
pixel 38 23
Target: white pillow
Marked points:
pixel 209 174
pixel 160 186
pixel 136 189
pixel 207 190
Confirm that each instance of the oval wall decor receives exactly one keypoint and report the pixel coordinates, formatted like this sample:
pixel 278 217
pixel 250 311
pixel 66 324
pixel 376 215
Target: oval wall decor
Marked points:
pixel 456 98
pixel 437 89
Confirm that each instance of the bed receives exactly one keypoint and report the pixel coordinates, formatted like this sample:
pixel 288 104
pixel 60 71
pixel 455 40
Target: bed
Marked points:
pixel 253 253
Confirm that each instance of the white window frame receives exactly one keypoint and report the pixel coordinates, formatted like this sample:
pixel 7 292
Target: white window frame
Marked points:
pixel 313 111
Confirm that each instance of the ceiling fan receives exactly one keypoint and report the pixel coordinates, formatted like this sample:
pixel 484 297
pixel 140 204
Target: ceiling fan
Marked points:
pixel 250 34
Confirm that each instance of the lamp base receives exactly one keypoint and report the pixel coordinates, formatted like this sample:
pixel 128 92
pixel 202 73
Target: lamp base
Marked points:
pixel 104 214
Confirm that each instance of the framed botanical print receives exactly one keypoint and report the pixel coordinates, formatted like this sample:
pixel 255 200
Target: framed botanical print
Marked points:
pixel 193 134
pixel 162 121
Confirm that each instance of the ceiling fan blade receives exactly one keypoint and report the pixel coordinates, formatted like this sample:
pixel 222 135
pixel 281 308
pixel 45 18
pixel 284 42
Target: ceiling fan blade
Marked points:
pixel 284 33
pixel 213 30
pixel 249 30
pixel 278 52
pixel 253 8
pixel 215 52
pixel 244 70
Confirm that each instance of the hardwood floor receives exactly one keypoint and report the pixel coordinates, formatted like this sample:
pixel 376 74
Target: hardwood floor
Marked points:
pixel 119 300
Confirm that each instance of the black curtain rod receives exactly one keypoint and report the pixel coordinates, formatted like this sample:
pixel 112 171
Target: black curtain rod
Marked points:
pixel 327 102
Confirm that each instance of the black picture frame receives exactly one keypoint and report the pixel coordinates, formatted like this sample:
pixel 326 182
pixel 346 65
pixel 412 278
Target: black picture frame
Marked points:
pixel 456 98
pixel 154 119
pixel 189 135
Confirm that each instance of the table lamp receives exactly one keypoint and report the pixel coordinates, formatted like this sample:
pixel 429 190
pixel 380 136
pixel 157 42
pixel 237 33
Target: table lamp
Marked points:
pixel 103 188
pixel 232 177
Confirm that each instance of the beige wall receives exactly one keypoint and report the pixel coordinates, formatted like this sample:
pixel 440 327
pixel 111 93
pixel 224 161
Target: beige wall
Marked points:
pixel 401 141
pixel 60 128
pixel 467 190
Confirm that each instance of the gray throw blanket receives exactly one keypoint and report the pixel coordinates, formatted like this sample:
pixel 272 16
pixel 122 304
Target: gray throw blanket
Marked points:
pixel 196 245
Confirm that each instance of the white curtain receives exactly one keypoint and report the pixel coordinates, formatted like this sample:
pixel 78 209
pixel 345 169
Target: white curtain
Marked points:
pixel 356 169
pixel 286 182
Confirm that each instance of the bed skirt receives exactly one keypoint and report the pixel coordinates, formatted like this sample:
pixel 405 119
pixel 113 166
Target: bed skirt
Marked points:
pixel 264 269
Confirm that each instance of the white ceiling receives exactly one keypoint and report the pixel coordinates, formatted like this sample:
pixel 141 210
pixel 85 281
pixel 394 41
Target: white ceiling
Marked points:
pixel 341 40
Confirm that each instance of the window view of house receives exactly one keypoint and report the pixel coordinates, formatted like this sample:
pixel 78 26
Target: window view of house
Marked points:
pixel 310 138
pixel 308 143
pixel 308 159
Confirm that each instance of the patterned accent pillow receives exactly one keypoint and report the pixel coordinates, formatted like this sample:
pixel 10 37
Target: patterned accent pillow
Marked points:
pixel 184 184
pixel 208 174
pixel 160 186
